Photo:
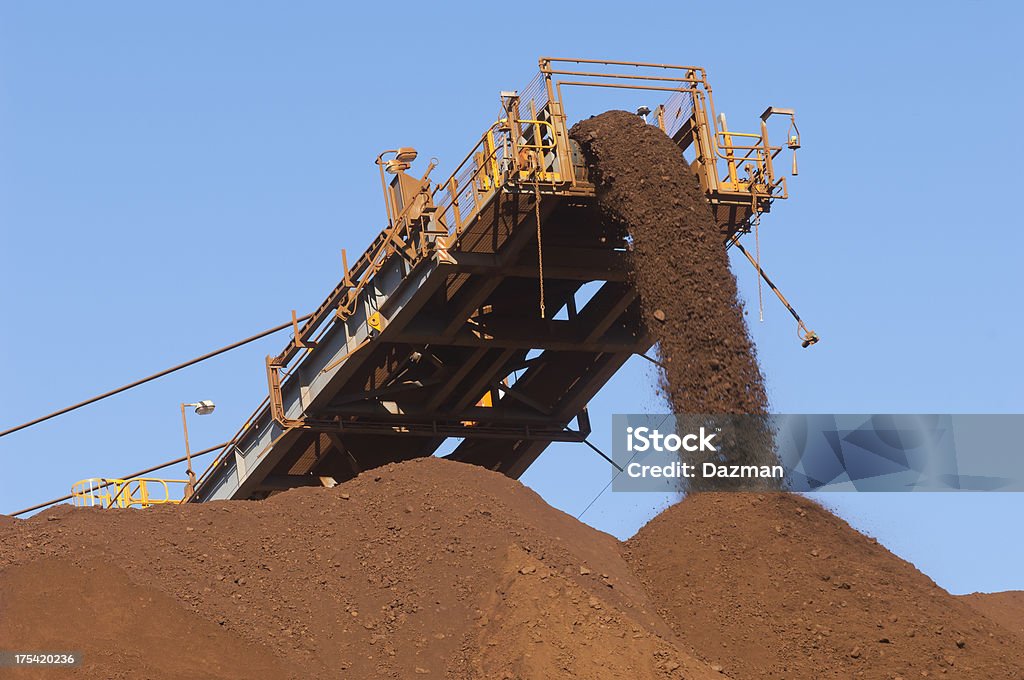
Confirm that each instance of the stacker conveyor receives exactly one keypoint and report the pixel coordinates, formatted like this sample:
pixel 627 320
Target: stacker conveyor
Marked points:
pixel 492 307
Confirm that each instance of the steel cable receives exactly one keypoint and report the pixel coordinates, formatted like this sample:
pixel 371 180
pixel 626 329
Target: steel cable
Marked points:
pixel 142 381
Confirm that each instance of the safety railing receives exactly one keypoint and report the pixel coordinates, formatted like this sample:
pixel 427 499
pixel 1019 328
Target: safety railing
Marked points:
pixel 688 116
pixel 756 162
pixel 457 200
pixel 672 115
pixel 474 180
pixel 683 84
pixel 534 97
pixel 487 167
pixel 140 492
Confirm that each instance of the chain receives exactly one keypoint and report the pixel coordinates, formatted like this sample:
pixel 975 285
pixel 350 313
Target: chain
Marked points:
pixel 757 256
pixel 540 247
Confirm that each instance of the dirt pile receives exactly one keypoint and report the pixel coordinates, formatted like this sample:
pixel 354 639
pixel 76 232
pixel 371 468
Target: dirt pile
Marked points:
pixel 428 568
pixel 774 586
pixel 1006 609
pixel 125 628
pixel 680 265
pixel 437 569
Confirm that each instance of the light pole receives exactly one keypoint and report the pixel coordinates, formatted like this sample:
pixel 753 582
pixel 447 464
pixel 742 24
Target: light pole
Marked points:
pixel 203 408
pixel 403 157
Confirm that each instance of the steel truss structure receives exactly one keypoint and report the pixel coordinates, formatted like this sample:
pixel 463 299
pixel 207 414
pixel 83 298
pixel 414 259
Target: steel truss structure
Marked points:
pixel 466 317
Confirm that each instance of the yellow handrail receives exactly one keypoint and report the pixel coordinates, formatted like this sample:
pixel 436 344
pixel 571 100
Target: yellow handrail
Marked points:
pixel 542 146
pixel 124 493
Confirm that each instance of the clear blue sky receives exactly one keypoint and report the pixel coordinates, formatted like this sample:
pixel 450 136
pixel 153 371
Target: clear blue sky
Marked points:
pixel 175 176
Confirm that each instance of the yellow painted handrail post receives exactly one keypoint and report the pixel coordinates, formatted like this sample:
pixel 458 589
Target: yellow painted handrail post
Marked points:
pixel 730 156
pixel 453 191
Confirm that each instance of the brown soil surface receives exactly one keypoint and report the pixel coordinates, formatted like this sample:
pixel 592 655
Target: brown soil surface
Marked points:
pixel 774 586
pixel 1006 609
pixel 127 629
pixel 428 568
pixel 680 265
pixel 438 569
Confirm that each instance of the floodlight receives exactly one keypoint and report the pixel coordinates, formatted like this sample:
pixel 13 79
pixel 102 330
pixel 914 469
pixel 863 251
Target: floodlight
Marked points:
pixel 406 154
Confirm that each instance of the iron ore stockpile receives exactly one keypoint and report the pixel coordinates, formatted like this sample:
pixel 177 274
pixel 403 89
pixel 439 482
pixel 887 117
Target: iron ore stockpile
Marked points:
pixel 431 568
pixel 440 569
pixel 1007 608
pixel 427 568
pixel 774 585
